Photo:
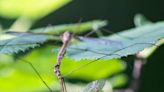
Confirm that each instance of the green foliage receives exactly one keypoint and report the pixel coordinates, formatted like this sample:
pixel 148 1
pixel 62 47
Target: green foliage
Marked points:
pixel 32 9
pixel 124 43
pixel 75 28
pixel 14 42
pixel 20 77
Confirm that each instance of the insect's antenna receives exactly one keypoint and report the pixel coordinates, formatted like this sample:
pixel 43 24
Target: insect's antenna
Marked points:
pixel 105 55
pixel 35 70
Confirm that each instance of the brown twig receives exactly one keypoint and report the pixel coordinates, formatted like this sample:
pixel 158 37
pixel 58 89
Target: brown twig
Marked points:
pixel 65 39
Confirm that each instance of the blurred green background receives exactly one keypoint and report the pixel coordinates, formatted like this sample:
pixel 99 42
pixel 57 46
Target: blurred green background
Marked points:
pixel 17 76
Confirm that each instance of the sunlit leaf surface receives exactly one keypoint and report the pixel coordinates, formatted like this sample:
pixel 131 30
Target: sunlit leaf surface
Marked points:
pixel 20 77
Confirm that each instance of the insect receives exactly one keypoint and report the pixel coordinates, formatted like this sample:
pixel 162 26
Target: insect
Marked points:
pixel 95 51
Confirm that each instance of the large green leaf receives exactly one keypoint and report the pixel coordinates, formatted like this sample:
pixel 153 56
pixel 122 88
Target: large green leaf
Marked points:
pixel 124 43
pixel 75 28
pixel 14 42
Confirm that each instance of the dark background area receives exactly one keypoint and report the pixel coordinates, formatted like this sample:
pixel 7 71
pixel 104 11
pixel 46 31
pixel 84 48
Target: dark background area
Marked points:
pixel 120 15
pixel 152 73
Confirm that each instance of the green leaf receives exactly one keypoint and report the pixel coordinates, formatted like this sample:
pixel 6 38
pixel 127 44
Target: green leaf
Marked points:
pixel 75 28
pixel 86 68
pixel 32 9
pixel 14 42
pixel 140 20
pixel 95 86
pixel 20 77
pixel 130 42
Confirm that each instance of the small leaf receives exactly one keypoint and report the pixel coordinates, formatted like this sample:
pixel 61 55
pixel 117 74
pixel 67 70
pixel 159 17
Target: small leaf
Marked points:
pixel 95 86
pixel 14 42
